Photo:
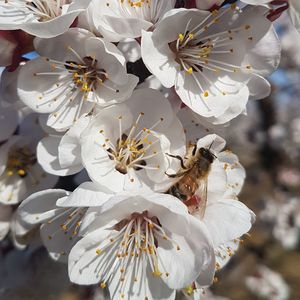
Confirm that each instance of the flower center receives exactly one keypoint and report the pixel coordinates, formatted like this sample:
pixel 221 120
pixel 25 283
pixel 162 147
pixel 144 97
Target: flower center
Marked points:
pixel 132 150
pixel 76 79
pixel 197 51
pixel 88 75
pixel 133 244
pixel 19 162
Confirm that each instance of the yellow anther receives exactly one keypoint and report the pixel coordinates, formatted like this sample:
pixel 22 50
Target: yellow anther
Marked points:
pixel 191 36
pixel 64 227
pixel 151 225
pixel 215 12
pixel 156 273
pixel 190 70
pixel 85 88
pixel 206 94
pixel 98 251
pixel 21 172
pixel 103 285
pixel 181 37
pixel 189 290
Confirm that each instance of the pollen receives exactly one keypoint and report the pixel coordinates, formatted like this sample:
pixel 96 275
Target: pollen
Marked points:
pixel 206 94
pixel 102 285
pixel 181 37
pixel 189 290
pixel 190 70
pixel 156 273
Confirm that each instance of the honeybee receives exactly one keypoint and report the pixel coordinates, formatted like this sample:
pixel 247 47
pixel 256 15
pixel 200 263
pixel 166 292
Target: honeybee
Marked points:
pixel 191 187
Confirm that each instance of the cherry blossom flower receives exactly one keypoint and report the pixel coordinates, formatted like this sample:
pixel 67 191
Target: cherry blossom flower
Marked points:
pixel 58 215
pixel 294 8
pixel 126 145
pixel 226 218
pixel 285 218
pixel 75 73
pixel 142 246
pixel 20 173
pixel 215 60
pixel 43 18
pixel 116 20
pixel 268 284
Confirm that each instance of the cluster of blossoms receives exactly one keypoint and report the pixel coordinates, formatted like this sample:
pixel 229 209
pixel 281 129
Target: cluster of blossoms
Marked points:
pixel 159 213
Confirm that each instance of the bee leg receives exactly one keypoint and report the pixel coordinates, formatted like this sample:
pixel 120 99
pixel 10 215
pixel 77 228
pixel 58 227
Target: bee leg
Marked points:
pixel 179 158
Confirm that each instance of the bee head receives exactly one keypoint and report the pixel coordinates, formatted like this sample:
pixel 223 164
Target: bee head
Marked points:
pixel 207 154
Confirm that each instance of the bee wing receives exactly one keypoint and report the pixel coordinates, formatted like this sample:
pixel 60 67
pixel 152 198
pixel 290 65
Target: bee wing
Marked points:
pixel 201 194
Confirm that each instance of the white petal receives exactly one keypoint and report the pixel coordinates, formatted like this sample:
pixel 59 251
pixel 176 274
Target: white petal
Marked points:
pixel 40 206
pixel 227 220
pixel 295 13
pixel 88 194
pixel 212 141
pixel 47 155
pixel 165 67
pixel 131 49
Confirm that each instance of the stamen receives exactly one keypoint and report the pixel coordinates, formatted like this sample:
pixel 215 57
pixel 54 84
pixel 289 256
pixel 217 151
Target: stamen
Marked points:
pixel 128 249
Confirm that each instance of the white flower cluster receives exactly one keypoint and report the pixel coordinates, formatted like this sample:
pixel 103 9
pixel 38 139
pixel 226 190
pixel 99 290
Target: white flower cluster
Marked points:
pixel 160 214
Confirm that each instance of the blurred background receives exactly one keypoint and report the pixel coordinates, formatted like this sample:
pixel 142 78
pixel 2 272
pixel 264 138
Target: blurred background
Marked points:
pixel 267 265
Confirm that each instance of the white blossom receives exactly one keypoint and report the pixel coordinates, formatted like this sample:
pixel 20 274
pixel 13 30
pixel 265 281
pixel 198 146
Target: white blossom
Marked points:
pixel 75 73
pixel 126 145
pixel 142 246
pixel 43 18
pixel 215 60
pixel 116 20
pixel 268 284
pixel 20 174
